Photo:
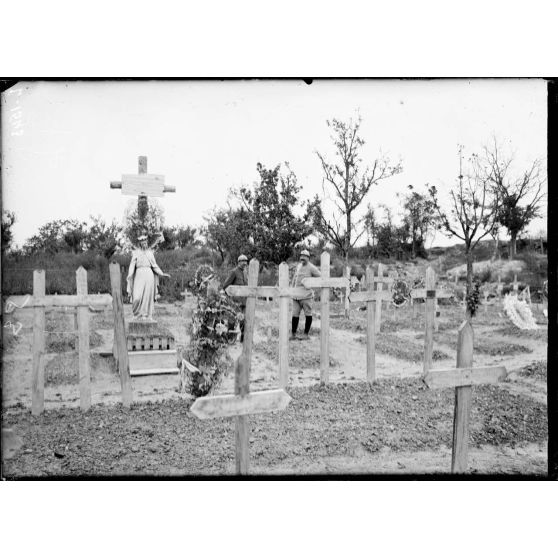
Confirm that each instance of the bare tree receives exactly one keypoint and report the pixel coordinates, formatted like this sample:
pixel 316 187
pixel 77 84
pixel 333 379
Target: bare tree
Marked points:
pixel 474 210
pixel 350 184
pixel 520 197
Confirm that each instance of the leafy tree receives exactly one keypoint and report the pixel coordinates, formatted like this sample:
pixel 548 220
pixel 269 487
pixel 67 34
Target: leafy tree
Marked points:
pixel 390 237
pixel 271 206
pixel 8 220
pixel 143 217
pixel 179 237
pixel 419 217
pixel 349 182
pixel 228 231
pixel 473 213
pixel 371 226
pixel 61 235
pixel 520 196
pixel 102 237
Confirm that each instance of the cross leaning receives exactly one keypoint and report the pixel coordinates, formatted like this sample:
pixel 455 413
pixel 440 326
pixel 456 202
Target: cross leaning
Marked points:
pixel 243 403
pixel 462 378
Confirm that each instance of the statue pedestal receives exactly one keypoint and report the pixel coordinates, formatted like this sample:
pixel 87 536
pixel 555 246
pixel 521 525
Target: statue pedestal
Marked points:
pixel 151 348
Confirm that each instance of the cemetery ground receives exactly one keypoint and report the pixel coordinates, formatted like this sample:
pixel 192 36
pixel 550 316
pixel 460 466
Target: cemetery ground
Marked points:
pixel 397 425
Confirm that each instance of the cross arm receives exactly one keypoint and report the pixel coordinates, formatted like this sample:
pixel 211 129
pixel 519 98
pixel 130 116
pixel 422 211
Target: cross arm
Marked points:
pixel 368 296
pixel 246 291
pixel 117 185
pixel 71 300
pixel 427 293
pixel 458 377
pixel 238 405
pixel 326 282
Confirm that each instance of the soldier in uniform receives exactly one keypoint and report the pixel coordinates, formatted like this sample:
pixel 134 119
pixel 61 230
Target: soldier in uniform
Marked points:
pixel 238 276
pixel 303 270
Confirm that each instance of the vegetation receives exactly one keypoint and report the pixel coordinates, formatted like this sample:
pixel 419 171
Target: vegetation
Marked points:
pixel 473 213
pixel 520 197
pixel 349 184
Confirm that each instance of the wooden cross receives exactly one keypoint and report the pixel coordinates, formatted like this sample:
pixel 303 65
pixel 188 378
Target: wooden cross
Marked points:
pixel 142 184
pixel 39 302
pixel 380 280
pixel 284 292
pixel 462 378
pixel 430 295
pixel 243 403
pixel 371 297
pixel 325 282
pixel 499 288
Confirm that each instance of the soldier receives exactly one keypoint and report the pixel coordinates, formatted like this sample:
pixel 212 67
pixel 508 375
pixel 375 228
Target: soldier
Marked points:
pixel 303 269
pixel 238 277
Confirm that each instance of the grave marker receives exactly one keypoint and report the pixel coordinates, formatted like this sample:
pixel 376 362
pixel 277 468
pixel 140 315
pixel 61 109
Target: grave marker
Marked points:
pixel 462 378
pixel 371 297
pixel 243 402
pixel 284 292
pixel 430 295
pixel 325 282
pixel 40 302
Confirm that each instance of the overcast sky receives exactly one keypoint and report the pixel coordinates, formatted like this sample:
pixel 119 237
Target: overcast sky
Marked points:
pixel 64 142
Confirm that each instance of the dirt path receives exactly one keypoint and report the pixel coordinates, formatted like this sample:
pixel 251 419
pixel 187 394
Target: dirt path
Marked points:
pixel 348 357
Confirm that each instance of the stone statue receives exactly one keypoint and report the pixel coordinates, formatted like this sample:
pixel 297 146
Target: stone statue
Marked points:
pixel 143 280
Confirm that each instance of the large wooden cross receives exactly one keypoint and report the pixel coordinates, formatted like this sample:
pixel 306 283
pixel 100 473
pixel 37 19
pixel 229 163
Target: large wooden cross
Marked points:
pixel 142 185
pixel 284 292
pixel 371 297
pixel 379 281
pixel 325 282
pixel 39 302
pixel 462 378
pixel 431 296
pixel 243 403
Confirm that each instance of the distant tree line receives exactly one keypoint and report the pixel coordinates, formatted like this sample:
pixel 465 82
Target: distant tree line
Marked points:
pixel 271 220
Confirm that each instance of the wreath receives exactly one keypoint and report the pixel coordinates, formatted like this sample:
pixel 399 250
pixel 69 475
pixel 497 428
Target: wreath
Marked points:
pixel 519 312
pixel 215 324
pixel 401 293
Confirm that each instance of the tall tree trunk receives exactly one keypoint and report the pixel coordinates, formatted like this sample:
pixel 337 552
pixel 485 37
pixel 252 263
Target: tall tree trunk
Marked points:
pixel 513 245
pixel 348 238
pixel 469 287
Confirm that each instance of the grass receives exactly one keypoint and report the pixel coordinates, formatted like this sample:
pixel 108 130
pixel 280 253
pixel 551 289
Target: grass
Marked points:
pixel 301 354
pixel 392 345
pixel 536 370
pixel 513 331
pixel 60 334
pixel 63 368
pixel 483 345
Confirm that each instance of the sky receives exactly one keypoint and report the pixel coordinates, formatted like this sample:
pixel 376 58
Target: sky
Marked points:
pixel 64 142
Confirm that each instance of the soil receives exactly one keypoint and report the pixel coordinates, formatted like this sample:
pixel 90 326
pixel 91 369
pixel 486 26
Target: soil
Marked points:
pixel 322 429
pixel 345 427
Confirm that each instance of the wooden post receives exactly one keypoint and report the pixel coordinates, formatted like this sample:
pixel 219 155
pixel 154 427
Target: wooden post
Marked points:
pixel 324 321
pixel 430 309
pixel 83 332
pixel 379 287
pixel 515 285
pixel 347 274
pixel 370 330
pixel 38 377
pixel 283 327
pixel 120 335
pixel 242 427
pixel 250 314
pixel 462 401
